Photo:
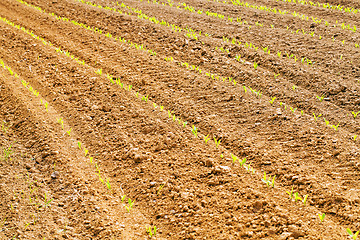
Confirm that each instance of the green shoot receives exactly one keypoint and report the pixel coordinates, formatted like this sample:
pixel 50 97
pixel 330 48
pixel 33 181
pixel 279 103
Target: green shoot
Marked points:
pixel 207 138
pixel 276 75
pixel 150 232
pixel 290 193
pixel 128 208
pixel 326 122
pixel 335 127
pixel 69 132
pixel 355 114
pixel 79 145
pixel 234 158
pixel 293 109
pixel 304 200
pixel 255 65
pixel 272 100
pixel 184 124
pixel 123 198
pixel 7 153
pixel 217 142
pixel 320 98
pixel 242 162
pixel 222 155
pixel 194 130
pixel 352 235
pixel 355 136
pixel 160 188
pixel 316 117
pixel 245 89
pixel 294 87
pixel 108 184
pixel 322 217
pixel 86 151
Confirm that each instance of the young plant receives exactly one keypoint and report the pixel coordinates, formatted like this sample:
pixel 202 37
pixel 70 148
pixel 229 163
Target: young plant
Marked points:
pixel 69 132
pixel 322 217
pixel 7 153
pixel 304 200
pixel 217 142
pixel 242 162
pixel 255 65
pixel 108 184
pixel 354 137
pixel 194 130
pixel 335 127
pixel 320 98
pixel 234 158
pixel 128 208
pixel 276 75
pixel 355 114
pixel 207 138
pixel 150 232
pixel 316 117
pixel 123 198
pixel 290 193
pixel 272 100
pixel 294 87
pixel 352 235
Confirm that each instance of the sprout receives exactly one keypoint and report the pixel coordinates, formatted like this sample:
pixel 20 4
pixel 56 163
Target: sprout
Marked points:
pixel 194 130
pixel 322 217
pixel 207 138
pixel 234 158
pixel 255 65
pixel 217 142
pixel 320 98
pixel 355 114
pixel 276 75
pixel 272 100
pixel 316 117
pixel 352 235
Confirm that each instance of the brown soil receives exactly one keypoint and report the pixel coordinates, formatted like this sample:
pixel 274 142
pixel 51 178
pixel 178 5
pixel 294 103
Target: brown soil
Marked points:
pixel 54 188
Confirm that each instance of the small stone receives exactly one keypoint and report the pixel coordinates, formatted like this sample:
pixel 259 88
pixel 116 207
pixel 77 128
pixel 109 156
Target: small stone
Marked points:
pixel 55 175
pixel 222 169
pixel 208 162
pixel 138 158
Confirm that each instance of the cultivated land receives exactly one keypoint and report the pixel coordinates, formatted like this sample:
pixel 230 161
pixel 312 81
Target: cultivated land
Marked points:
pixel 179 120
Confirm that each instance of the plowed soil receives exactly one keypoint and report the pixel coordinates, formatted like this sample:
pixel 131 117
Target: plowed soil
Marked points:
pixel 85 157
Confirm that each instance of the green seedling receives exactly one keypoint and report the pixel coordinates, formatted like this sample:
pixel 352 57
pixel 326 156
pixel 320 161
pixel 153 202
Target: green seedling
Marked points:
pixel 272 100
pixel 355 114
pixel 86 151
pixel 297 197
pixel 7 153
pixel 320 98
pixel 145 98
pixel 222 155
pixel 207 138
pixel 194 130
pixel 304 200
pixel 79 145
pixel 217 142
pixel 99 71
pixel 108 184
pixel 150 232
pixel 293 109
pixel 128 208
pixel 161 108
pixel 184 124
pixel 123 198
pixel 276 75
pixel 302 112
pixel 255 65
pixel 294 87
pixel 290 193
pixel 234 158
pixel 335 127
pixel 268 180
pixel 91 159
pixel 352 235
pixel 69 132
pixel 2 223
pixel 154 104
pixel 354 137
pixel 316 117
pixel 322 217
pixel 326 122
pixel 245 89
pixel 242 162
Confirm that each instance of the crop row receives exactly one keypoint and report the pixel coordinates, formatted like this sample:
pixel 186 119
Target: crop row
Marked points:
pixel 230 79
pixel 215 76
pixel 193 129
pixel 338 7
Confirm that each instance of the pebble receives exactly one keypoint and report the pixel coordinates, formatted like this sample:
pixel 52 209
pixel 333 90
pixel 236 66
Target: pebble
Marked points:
pixel 55 175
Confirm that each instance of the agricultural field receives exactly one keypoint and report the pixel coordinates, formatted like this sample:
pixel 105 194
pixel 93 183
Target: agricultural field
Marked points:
pixel 193 119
